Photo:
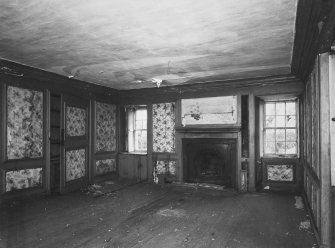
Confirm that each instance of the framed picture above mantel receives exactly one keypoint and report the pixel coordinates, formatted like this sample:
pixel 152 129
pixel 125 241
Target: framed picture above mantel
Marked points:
pixel 211 111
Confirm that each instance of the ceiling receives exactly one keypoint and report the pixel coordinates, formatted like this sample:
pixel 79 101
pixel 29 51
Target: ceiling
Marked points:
pixel 123 44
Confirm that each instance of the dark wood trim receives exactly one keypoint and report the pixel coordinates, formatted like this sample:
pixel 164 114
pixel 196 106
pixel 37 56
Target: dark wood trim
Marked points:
pixel 309 40
pixel 33 77
pixel 252 143
pixel 47 171
pixel 150 164
pixel 2 136
pixel 273 85
pixel 196 129
pixel 325 149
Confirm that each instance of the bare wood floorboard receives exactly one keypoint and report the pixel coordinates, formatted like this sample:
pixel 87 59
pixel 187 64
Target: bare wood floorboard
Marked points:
pixel 147 215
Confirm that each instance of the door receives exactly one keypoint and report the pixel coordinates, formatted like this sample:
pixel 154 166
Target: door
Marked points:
pixel 75 144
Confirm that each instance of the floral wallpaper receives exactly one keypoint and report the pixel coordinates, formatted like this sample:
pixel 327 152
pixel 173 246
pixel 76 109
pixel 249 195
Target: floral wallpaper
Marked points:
pixel 164 167
pixel 105 166
pixel 105 127
pixel 75 164
pixel 24 123
pixel 23 179
pixel 280 173
pixel 75 121
pixel 163 127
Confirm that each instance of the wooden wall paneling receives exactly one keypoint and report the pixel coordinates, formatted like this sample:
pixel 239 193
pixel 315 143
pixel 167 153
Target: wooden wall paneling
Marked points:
pixel 133 166
pixel 238 161
pixel 24 163
pixel 252 143
pixel 2 136
pixel 47 171
pixel 332 139
pixel 150 165
pixel 92 141
pixel 332 116
pixel 325 148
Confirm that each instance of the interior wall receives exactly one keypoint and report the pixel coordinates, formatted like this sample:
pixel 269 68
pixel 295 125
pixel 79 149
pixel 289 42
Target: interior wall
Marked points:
pixel 29 114
pixel 316 150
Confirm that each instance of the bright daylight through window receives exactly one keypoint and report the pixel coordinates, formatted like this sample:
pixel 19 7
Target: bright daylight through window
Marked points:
pixel 137 129
pixel 280 128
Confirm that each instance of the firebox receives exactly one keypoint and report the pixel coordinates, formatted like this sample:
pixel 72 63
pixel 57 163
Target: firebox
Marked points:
pixel 209 160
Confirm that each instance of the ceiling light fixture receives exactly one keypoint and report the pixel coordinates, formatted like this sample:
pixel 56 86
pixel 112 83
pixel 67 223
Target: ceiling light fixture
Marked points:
pixel 157 81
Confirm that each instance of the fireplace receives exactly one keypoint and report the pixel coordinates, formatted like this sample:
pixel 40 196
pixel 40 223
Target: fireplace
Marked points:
pixel 209 160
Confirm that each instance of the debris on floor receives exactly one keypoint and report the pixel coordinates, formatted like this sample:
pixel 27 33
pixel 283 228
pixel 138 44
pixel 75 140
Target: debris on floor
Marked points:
pixel 299 204
pixel 199 185
pixel 305 225
pixel 171 212
pixel 267 187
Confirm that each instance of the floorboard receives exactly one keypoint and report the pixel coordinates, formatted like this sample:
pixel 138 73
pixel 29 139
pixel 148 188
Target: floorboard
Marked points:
pixel 148 215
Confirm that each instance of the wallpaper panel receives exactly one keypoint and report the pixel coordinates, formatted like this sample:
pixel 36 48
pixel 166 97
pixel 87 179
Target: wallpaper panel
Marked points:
pixel 23 179
pixel 280 173
pixel 24 123
pixel 75 121
pixel 105 166
pixel 163 127
pixel 105 127
pixel 75 164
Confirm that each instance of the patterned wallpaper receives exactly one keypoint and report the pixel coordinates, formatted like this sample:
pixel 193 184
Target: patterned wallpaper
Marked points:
pixel 280 173
pixel 164 167
pixel 163 127
pixel 75 164
pixel 105 166
pixel 23 179
pixel 105 127
pixel 24 123
pixel 75 121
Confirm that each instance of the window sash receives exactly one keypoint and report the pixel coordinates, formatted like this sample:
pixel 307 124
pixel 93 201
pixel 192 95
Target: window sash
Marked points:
pixel 283 146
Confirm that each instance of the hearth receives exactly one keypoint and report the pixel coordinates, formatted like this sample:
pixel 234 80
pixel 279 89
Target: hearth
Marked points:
pixel 209 160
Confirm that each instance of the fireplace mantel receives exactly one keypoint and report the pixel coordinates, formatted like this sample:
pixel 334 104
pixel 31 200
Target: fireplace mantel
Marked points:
pixel 208 129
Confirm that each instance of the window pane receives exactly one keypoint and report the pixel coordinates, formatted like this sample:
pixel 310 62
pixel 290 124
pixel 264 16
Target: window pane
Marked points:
pixel 290 108
pixel 280 147
pixel 138 124
pixel 280 108
pixel 290 121
pixel 291 135
pixel 270 109
pixel 280 135
pixel 270 121
pixel 269 148
pixel 280 121
pixel 270 135
pixel 140 140
pixel 141 114
pixel 291 147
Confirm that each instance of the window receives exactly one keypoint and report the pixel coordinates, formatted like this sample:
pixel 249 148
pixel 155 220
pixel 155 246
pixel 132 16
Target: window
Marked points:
pixel 137 129
pixel 280 128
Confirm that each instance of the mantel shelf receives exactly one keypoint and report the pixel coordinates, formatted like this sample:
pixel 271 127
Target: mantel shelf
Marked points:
pixel 208 129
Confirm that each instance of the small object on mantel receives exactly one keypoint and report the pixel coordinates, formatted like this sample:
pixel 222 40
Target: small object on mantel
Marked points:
pixel 332 48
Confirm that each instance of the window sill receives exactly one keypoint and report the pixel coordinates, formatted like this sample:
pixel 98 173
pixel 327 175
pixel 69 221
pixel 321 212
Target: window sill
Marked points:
pixel 281 156
pixel 134 153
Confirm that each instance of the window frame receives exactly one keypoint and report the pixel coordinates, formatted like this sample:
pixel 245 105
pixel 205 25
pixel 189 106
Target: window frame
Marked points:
pixel 264 128
pixel 131 129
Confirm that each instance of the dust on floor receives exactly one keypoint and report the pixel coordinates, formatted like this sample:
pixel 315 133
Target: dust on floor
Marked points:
pixel 148 215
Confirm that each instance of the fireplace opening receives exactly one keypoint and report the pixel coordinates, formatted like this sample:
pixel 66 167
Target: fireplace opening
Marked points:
pixel 210 160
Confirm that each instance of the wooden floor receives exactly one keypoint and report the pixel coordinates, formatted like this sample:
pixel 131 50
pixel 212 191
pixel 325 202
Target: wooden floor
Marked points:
pixel 147 215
